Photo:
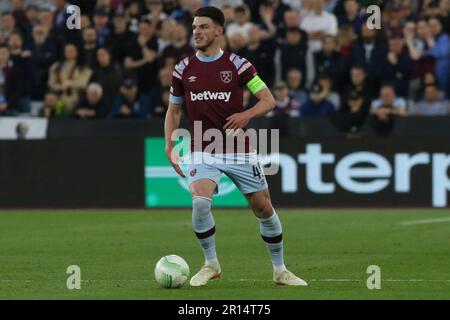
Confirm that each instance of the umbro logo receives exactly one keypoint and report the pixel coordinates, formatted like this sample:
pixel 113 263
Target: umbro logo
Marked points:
pixel 192 78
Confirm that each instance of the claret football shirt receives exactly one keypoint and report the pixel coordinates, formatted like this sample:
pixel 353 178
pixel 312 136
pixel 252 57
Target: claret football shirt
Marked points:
pixel 212 90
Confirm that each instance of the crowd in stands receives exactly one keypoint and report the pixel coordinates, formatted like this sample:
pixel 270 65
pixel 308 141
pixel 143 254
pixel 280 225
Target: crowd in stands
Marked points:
pixel 319 57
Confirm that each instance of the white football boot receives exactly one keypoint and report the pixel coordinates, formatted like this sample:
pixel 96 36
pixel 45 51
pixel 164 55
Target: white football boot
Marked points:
pixel 288 278
pixel 207 272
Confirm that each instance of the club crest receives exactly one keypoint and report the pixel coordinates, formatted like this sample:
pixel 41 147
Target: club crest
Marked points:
pixel 226 76
pixel 193 172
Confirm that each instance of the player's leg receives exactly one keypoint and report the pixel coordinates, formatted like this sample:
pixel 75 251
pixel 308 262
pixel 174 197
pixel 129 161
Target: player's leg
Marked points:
pixel 272 234
pixel 204 227
pixel 250 180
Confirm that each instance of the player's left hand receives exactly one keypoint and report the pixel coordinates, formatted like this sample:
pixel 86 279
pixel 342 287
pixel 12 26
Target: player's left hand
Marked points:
pixel 237 121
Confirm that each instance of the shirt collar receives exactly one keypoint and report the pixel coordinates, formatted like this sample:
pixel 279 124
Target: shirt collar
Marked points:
pixel 212 58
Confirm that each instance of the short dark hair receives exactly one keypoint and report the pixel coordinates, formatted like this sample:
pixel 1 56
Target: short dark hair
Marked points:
pixel 213 13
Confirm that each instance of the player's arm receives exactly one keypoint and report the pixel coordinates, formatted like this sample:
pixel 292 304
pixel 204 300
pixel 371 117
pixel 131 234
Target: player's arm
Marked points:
pixel 171 123
pixel 266 103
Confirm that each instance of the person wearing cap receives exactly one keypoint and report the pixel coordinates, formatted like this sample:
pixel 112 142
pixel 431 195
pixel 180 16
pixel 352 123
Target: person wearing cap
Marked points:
pixel 352 116
pixel 101 21
pixel 129 102
pixel 285 108
pixel 317 105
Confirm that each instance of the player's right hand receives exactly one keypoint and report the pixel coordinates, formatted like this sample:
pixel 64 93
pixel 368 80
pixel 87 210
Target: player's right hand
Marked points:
pixel 174 159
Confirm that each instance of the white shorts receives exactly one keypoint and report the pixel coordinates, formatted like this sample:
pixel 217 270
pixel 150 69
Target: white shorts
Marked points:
pixel 243 169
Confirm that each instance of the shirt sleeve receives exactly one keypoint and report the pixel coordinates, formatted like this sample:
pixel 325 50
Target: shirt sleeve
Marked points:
pixel 176 89
pixel 249 76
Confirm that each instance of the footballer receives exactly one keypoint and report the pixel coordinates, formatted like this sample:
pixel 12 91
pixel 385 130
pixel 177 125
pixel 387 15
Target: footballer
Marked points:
pixel 210 84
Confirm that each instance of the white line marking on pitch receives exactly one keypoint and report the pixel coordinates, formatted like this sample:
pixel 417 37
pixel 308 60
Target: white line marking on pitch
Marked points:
pixel 237 280
pixel 436 220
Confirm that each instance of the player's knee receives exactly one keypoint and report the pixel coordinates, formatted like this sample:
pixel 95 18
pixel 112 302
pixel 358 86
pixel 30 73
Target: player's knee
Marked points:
pixel 201 206
pixel 202 219
pixel 265 211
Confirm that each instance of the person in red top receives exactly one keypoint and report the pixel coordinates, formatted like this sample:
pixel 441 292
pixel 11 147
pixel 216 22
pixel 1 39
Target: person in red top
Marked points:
pixel 210 84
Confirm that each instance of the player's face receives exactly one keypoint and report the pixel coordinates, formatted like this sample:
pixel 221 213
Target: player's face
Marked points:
pixel 205 32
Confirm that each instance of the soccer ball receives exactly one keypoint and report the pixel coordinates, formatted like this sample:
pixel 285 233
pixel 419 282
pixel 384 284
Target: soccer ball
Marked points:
pixel 171 271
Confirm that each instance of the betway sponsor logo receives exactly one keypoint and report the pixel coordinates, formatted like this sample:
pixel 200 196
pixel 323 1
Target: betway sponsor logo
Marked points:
pixel 208 95
pixel 363 172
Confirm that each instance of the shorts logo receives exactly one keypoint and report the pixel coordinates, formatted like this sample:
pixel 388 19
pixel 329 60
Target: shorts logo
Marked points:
pixel 193 172
pixel 226 76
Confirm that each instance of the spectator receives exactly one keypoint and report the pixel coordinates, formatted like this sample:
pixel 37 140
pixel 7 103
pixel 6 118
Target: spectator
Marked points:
pixel 368 52
pixel 317 105
pixel 90 47
pixel 130 103
pixel 291 20
pixel 107 74
pixel 395 66
pixel 293 51
pixel 93 105
pixel 166 35
pixel 439 43
pixel 119 40
pixel 385 110
pixel 154 12
pixel 295 85
pixel 285 108
pixel 228 13
pixel 180 47
pixel 19 87
pixel 358 83
pixel 43 56
pixel 45 17
pixel 8 25
pixel 101 20
pixel 261 53
pixel 344 40
pixel 241 23
pixel 330 62
pixel 53 107
pixel 142 57
pixel 317 24
pixel 352 16
pixel 32 14
pixel 157 102
pixel 352 116
pixel 69 77
pixel 278 8
pixel 267 14
pixel 332 96
pixel 415 35
pixel 237 44
pixel 18 10
pixel 432 105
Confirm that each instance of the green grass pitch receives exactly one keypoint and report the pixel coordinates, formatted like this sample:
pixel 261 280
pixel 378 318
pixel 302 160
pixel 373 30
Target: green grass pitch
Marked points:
pixel 331 249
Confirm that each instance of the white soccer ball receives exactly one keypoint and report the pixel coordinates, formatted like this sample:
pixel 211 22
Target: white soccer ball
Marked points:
pixel 171 271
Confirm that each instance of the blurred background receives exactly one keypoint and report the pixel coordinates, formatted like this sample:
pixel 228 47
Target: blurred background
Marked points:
pixel 82 110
